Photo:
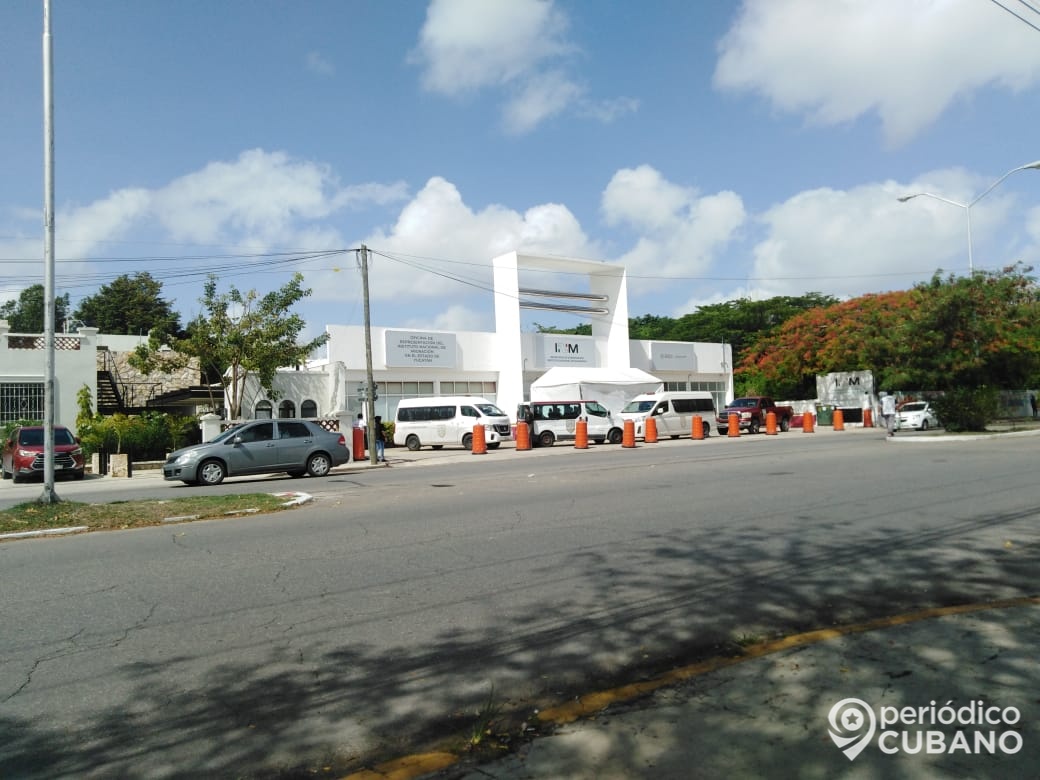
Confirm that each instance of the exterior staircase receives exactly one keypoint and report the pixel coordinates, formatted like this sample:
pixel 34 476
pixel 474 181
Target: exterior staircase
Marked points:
pixel 108 399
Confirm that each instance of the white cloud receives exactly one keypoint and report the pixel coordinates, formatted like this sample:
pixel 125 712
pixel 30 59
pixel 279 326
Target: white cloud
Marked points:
pixel 320 64
pixel 441 248
pixel 906 60
pixel 541 97
pixel 466 45
pixel 679 232
pixel 517 46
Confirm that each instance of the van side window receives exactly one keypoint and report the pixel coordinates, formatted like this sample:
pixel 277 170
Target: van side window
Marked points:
pixel 595 409
pixel 469 411
pixel 572 411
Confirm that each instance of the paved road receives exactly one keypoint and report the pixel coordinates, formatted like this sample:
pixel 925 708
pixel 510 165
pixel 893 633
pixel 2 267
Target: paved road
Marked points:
pixel 378 617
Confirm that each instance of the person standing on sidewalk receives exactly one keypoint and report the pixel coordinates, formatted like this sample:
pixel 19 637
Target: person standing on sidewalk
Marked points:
pixel 888 412
pixel 380 441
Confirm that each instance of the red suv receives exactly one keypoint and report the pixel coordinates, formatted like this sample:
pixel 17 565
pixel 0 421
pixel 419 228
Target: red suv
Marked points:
pixel 23 453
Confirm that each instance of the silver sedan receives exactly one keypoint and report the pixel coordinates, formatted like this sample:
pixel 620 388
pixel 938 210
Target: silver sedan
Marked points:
pixel 297 447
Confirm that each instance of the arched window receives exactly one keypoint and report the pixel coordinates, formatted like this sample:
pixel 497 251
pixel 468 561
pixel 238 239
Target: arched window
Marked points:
pixel 262 411
pixel 308 409
pixel 286 409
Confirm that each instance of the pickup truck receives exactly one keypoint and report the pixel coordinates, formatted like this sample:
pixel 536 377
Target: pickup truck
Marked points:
pixel 752 411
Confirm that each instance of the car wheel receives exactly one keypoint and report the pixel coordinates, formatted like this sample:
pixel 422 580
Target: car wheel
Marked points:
pixel 212 472
pixel 412 443
pixel 723 431
pixel 78 475
pixel 707 430
pixel 467 441
pixel 615 436
pixel 924 425
pixel 16 477
pixel 785 424
pixel 546 439
pixel 319 464
pixel 753 427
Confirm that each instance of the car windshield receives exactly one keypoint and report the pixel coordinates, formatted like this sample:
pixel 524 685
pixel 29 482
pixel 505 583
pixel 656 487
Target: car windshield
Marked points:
pixel 490 410
pixel 744 403
pixel 917 406
pixel 638 406
pixel 33 437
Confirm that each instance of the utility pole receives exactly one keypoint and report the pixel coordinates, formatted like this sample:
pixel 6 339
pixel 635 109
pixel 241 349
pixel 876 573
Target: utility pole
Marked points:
pixel 370 395
pixel 48 496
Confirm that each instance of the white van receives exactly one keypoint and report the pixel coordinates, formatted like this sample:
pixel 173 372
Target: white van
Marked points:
pixel 441 420
pixel 672 410
pixel 552 420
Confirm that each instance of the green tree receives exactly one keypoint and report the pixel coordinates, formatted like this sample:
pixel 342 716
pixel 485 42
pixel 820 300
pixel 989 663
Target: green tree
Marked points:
pixel 26 314
pixel 129 305
pixel 238 335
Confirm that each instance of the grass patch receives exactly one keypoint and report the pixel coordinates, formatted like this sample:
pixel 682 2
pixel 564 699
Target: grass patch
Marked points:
pixel 132 514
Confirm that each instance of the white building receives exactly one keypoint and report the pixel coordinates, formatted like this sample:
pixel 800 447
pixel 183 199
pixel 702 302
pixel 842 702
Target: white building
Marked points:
pixel 499 366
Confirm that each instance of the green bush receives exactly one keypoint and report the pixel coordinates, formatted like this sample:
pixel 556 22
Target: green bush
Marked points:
pixel 967 409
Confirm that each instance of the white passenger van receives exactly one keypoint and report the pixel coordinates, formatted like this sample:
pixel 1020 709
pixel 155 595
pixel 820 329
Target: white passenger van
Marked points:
pixel 440 420
pixel 557 420
pixel 673 410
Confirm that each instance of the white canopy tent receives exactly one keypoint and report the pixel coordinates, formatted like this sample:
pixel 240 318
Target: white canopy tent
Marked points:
pixel 612 387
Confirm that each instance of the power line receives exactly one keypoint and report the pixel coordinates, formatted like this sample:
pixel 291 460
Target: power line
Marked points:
pixel 1020 18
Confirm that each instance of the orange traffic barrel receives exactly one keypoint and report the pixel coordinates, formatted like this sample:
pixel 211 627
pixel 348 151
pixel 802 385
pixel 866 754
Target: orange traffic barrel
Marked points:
pixel 868 418
pixel 697 427
pixel 581 434
pixel 523 436
pixel 628 434
pixel 650 431
pixel 771 423
pixel 733 429
pixel 479 441
pixel 808 423
pixel 839 420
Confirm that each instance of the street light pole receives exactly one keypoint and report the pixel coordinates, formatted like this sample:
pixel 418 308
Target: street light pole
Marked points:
pixel 967 206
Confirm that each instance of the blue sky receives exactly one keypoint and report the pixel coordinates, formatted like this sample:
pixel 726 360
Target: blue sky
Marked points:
pixel 719 150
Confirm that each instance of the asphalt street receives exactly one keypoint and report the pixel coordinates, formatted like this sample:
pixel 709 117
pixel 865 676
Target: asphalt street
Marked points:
pixel 383 616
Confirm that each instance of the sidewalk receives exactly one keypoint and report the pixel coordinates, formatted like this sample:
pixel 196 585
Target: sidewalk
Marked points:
pixel 935 694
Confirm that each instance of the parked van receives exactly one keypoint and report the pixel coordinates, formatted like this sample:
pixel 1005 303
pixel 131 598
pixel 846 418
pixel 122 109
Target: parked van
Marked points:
pixel 672 410
pixel 557 420
pixel 441 420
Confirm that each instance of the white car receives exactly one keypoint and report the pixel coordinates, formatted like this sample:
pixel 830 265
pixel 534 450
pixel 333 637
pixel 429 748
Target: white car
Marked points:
pixel 918 415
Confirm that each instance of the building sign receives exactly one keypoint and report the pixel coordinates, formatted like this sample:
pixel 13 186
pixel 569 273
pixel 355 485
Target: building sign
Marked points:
pixel 848 389
pixel 560 350
pixel 409 348
pixel 672 356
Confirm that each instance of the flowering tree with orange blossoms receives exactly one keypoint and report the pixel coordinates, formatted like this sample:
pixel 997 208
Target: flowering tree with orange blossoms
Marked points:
pixel 953 332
